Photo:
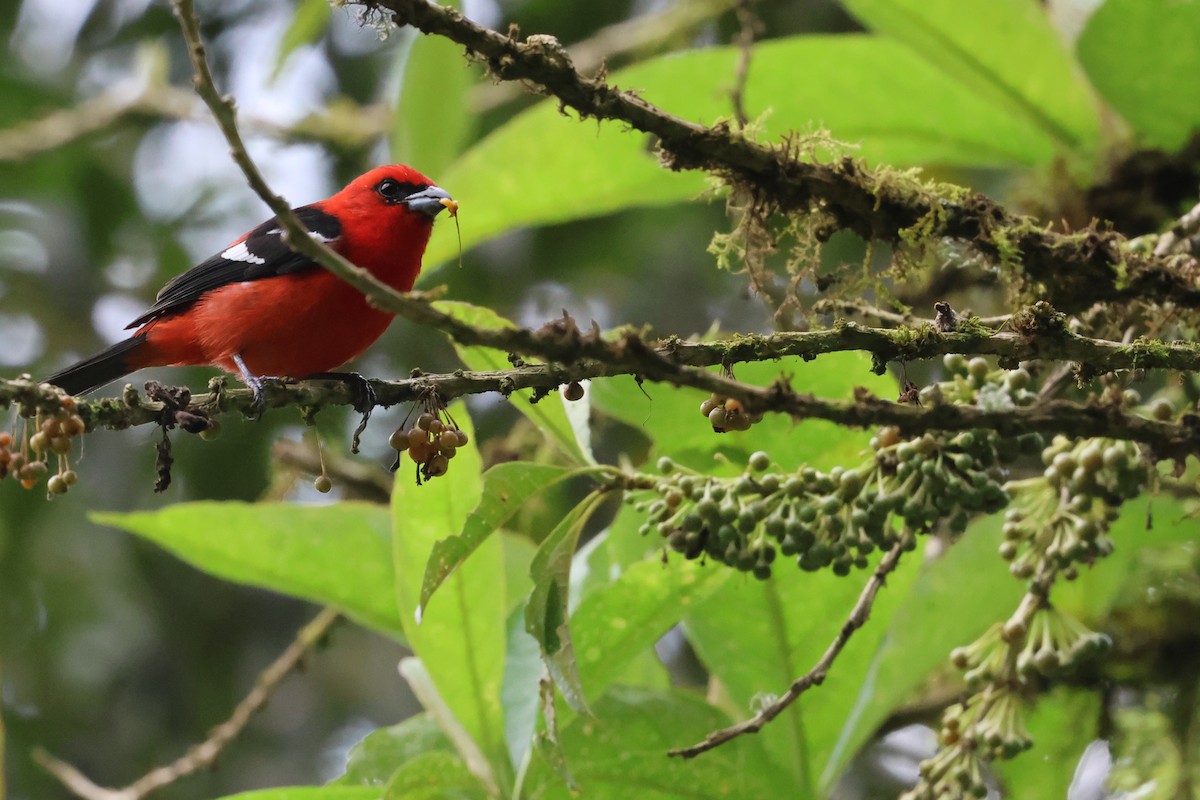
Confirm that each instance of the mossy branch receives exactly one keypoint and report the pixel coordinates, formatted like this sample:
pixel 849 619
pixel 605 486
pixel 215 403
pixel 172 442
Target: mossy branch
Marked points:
pixel 1074 270
pixel 577 356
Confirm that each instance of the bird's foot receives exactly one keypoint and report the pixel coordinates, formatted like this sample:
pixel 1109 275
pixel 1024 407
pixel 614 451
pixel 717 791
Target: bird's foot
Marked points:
pixel 256 384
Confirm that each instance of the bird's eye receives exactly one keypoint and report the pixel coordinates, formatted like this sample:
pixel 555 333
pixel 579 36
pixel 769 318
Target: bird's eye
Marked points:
pixel 390 190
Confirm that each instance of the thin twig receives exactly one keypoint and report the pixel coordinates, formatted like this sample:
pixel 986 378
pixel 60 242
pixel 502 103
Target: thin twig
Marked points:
pixel 202 755
pixel 647 34
pixel 346 127
pixel 751 26
pixel 815 676
pixel 357 479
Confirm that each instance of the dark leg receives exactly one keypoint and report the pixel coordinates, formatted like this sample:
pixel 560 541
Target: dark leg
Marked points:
pixel 254 383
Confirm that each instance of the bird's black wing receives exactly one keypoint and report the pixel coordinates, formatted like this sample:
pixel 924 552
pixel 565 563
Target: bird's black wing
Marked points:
pixel 261 254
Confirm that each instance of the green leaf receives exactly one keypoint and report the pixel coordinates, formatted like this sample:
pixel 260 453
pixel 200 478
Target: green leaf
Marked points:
pixel 1142 56
pixel 432 121
pixel 312 793
pixel 613 628
pixel 671 418
pixel 1062 724
pixel 1145 524
pixel 624 754
pixel 756 637
pixel 548 413
pixel 337 554
pixel 934 619
pixel 955 599
pixel 523 670
pixel 900 109
pixel 461 640
pixel 614 625
pixel 506 487
pixel 435 776
pixel 308 23
pixel 372 761
pixel 546 612
pixel 1005 52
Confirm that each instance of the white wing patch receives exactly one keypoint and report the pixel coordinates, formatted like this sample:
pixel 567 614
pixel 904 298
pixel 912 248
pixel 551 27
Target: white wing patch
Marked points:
pixel 239 252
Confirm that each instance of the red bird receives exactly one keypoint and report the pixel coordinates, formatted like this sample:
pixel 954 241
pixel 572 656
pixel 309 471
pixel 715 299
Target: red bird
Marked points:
pixel 259 309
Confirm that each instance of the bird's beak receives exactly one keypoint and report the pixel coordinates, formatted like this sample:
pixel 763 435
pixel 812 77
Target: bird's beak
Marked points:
pixel 431 201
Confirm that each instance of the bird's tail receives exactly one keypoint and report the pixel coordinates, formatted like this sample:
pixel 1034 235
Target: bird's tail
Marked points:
pixel 101 368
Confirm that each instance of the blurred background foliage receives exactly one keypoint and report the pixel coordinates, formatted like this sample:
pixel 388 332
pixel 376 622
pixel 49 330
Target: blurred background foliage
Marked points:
pixel 115 655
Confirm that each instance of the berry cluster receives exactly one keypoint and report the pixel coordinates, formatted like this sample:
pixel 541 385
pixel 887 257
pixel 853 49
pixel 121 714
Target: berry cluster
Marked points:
pixel 432 440
pixel 956 771
pixel 835 519
pixel 1064 516
pixel 728 414
pixel 52 437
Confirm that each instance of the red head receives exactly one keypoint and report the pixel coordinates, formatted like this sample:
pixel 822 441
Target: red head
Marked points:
pixel 388 215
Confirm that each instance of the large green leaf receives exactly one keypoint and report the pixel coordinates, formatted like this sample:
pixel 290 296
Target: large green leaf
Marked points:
pixel 309 21
pixel 1142 56
pixel 432 118
pixel 954 600
pixel 616 624
pixel 435 776
pixel 461 639
pixel 546 612
pixel 372 761
pixel 312 793
pixel 623 754
pixel 1062 724
pixel 1004 52
pixel 547 413
pixel 882 95
pixel 336 554
pixel 1146 523
pixel 756 637
pixel 934 619
pixel 506 487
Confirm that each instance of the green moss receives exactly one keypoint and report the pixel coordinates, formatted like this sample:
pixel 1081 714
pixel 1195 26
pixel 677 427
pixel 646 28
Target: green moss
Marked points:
pixel 973 326
pixel 1143 352
pixel 1039 319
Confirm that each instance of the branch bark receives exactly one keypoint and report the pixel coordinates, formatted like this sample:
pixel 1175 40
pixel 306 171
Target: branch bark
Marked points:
pixel 576 356
pixel 1074 270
